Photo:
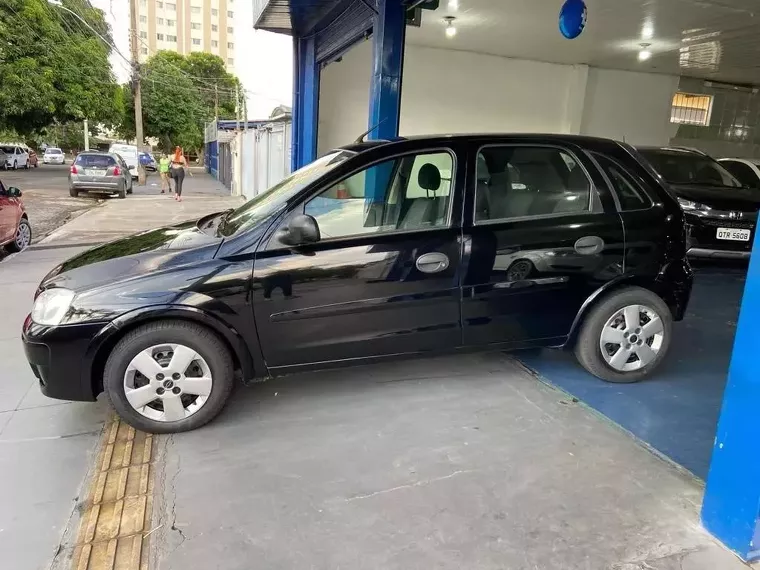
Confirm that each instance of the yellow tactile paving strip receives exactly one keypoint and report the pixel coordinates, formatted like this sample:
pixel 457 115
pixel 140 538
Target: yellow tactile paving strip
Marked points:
pixel 117 512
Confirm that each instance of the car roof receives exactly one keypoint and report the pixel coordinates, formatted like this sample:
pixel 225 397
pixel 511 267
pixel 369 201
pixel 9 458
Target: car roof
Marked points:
pixel 671 150
pixel 482 138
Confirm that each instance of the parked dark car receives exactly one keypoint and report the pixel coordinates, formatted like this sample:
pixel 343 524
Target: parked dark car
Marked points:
pixel 721 213
pixel 376 250
pixel 15 230
pixel 100 172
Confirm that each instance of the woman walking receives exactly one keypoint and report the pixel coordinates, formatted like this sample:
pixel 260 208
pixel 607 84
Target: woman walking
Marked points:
pixel 178 169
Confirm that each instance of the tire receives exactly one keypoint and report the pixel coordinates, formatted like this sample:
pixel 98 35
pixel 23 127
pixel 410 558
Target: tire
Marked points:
pixel 15 166
pixel 23 237
pixel 26 165
pixel 123 191
pixel 209 348
pixel 589 345
pixel 73 192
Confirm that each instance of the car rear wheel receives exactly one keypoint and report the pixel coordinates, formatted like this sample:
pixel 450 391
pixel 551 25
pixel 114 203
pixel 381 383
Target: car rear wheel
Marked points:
pixel 168 377
pixel 73 192
pixel 123 191
pixel 23 236
pixel 626 336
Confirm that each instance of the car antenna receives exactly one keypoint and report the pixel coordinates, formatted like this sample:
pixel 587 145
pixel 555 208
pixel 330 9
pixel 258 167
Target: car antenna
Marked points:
pixel 364 134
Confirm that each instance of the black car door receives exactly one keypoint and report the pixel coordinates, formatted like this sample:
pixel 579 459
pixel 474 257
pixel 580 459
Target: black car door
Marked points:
pixel 541 234
pixel 384 277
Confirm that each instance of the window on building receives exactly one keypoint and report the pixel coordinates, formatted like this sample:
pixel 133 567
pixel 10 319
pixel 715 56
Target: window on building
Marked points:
pixel 519 182
pixel 230 45
pixel 144 51
pixel 195 26
pixel 159 36
pixel 171 6
pixel 230 29
pixel 143 19
pixel 214 12
pixel 143 35
pixel 160 21
pixel 214 43
pixel 195 9
pixel 171 38
pixel 171 23
pixel 143 3
pixel 690 109
pixel 159 5
pixel 196 41
pixel 214 28
pixel 230 14
pixel 230 61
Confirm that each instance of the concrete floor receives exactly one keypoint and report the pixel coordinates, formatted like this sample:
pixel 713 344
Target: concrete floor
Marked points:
pixel 461 462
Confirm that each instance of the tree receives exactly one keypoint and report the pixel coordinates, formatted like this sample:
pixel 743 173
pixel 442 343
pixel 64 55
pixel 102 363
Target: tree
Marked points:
pixel 53 69
pixel 179 95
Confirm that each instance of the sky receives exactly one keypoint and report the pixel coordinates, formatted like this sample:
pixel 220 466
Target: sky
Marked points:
pixel 263 60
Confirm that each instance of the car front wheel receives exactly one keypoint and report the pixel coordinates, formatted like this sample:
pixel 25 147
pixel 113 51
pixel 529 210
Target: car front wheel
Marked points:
pixel 168 377
pixel 23 236
pixel 626 336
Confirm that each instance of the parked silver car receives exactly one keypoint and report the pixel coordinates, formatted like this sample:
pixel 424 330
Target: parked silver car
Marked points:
pixel 100 172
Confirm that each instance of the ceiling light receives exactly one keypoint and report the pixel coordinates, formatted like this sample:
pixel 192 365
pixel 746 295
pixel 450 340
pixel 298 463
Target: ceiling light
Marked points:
pixel 451 30
pixel 644 53
pixel 647 31
pixel 454 5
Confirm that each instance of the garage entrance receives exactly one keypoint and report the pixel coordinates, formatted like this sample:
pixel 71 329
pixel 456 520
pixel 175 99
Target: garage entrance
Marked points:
pixel 676 73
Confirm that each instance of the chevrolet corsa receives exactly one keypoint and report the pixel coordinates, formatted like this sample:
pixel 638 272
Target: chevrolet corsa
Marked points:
pixel 377 250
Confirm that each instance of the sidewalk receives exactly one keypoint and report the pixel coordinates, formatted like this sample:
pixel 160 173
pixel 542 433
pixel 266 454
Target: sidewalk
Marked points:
pixel 145 209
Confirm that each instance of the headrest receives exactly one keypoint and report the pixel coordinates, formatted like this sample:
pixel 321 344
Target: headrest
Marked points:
pixel 429 177
pixel 482 169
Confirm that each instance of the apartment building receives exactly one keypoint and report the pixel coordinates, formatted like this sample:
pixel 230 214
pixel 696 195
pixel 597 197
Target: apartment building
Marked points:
pixel 186 26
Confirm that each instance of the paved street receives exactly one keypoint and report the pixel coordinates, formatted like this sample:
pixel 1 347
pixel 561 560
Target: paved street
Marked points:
pixel 47 446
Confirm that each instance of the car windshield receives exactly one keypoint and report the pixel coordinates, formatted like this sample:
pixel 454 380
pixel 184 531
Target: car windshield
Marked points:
pixel 95 160
pixel 681 167
pixel 271 200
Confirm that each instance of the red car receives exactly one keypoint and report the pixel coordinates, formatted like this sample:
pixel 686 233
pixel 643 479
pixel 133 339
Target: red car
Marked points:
pixel 15 230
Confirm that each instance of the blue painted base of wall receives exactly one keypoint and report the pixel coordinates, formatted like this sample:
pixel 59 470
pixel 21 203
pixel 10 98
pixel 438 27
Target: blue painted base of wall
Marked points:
pixel 676 411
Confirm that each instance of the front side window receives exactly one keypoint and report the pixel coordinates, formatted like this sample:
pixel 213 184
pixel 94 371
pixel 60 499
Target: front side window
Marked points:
pixel 403 194
pixel 631 195
pixel 742 172
pixel 521 181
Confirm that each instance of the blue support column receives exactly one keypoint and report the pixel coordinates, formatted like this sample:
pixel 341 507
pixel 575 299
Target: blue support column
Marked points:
pixel 732 497
pixel 389 32
pixel 305 102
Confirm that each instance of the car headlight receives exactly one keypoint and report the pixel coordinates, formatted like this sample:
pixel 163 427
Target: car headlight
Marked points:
pixel 693 207
pixel 51 306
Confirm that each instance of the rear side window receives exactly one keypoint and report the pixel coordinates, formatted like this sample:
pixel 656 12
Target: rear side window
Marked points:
pixel 95 161
pixel 631 195
pixel 522 181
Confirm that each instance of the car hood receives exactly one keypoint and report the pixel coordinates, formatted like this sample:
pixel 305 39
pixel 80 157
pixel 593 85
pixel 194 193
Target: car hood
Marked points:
pixel 134 256
pixel 720 197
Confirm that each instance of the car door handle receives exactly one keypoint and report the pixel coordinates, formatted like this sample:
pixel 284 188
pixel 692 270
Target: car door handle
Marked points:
pixel 589 245
pixel 432 262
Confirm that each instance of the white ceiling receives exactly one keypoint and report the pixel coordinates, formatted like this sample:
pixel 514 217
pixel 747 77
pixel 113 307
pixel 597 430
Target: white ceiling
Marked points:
pixel 714 39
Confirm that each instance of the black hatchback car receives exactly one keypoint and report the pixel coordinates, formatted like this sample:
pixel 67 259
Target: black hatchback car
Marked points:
pixel 721 214
pixel 376 250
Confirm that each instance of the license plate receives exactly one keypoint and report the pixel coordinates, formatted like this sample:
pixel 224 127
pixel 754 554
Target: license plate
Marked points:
pixel 96 172
pixel 733 234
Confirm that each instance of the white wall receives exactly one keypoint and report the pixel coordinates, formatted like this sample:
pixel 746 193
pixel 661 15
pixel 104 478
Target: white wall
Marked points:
pixel 344 98
pixel 629 106
pixel 447 91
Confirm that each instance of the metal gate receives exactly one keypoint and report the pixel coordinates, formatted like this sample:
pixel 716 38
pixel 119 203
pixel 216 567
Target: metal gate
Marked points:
pixel 225 164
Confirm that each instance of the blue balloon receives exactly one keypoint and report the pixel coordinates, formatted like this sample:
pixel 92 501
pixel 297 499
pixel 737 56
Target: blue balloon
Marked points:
pixel 572 18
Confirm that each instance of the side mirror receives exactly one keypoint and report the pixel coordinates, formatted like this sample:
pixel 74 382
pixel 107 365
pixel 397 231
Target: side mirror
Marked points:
pixel 14 192
pixel 301 229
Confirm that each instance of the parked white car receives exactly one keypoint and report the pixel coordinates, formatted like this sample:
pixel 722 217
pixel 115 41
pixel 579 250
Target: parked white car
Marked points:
pixel 53 155
pixel 129 154
pixel 746 170
pixel 16 157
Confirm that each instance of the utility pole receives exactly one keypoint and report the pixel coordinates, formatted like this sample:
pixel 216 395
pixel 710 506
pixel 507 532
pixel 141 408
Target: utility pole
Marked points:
pixel 135 49
pixel 86 136
pixel 216 101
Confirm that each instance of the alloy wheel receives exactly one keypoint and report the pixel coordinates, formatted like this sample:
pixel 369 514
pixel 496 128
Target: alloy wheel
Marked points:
pixel 23 236
pixel 631 338
pixel 168 382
